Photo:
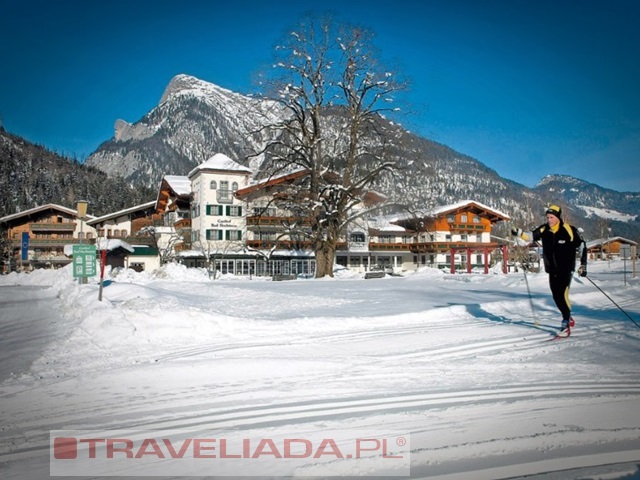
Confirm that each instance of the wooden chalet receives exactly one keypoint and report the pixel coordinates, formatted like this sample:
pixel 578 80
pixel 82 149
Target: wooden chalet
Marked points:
pixel 457 236
pixel 607 248
pixel 49 227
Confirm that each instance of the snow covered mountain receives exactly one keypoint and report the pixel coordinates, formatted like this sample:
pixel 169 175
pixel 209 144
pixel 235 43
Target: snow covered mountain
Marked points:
pixel 196 119
pixel 599 207
pixel 584 194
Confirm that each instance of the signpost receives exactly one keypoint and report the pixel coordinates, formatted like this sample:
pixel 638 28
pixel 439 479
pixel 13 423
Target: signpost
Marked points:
pixel 625 253
pixel 103 261
pixel 84 261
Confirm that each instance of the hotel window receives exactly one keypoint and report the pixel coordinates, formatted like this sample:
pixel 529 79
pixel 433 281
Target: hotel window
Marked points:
pixel 213 185
pixel 264 211
pixel 224 194
pixel 216 210
pixel 234 234
pixel 476 219
pixel 357 237
pixel 266 236
pixel 451 218
pixel 214 234
pixel 464 218
pixel 234 211
pixel 234 186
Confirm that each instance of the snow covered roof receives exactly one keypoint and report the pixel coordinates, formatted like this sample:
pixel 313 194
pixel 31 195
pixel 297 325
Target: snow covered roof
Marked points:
pixel 273 180
pixel 471 205
pixel 108 244
pixel 41 208
pixel 465 204
pixel 607 241
pixel 383 224
pixel 180 184
pixel 112 243
pixel 220 162
pixel 119 213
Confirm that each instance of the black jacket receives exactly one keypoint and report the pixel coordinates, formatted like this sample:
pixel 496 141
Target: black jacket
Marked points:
pixel 559 249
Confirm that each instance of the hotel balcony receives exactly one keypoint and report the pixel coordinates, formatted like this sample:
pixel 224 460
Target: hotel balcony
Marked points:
pixel 260 221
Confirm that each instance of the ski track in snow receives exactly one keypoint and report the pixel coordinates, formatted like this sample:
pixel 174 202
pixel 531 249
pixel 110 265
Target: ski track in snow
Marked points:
pixel 477 384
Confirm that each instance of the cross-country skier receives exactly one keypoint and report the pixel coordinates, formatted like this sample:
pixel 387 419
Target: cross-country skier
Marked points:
pixel 560 243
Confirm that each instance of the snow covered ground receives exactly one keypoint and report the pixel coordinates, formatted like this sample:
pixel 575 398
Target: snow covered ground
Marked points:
pixel 456 363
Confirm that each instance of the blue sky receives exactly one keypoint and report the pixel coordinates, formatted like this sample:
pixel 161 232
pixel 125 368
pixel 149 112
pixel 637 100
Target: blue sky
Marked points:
pixel 528 87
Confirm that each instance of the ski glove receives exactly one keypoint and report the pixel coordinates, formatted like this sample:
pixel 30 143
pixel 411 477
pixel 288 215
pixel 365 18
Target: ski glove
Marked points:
pixel 582 271
pixel 516 232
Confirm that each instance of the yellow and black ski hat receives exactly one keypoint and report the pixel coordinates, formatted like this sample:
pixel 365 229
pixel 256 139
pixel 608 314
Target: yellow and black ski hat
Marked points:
pixel 554 210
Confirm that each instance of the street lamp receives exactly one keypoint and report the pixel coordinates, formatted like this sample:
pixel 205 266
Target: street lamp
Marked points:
pixel 81 208
pixel 609 247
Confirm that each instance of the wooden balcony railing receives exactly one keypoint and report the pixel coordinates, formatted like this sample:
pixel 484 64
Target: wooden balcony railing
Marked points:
pixel 276 221
pixel 182 224
pixel 390 247
pixel 52 227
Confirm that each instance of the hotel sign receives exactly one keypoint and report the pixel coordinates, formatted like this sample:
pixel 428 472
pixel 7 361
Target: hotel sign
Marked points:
pixel 84 261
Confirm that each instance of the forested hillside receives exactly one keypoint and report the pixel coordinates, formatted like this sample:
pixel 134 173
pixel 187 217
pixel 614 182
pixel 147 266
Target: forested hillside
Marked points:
pixel 31 175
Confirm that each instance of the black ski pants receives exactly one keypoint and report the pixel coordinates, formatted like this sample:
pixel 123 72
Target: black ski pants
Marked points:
pixel 559 283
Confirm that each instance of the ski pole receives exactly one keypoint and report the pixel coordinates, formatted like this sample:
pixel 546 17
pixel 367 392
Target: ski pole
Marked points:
pixel 533 312
pixel 526 281
pixel 619 307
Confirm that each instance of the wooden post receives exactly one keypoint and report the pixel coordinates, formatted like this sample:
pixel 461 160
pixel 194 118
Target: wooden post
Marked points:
pixel 453 260
pixel 505 259
pixel 468 260
pixel 486 260
pixel 103 259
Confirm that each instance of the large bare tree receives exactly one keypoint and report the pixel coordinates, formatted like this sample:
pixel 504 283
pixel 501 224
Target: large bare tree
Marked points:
pixel 334 96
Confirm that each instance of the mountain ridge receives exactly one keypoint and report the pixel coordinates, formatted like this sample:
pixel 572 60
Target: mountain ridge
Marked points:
pixel 195 119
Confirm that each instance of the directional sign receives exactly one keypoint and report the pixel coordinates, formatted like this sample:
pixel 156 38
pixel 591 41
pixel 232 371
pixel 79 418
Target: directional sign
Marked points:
pixel 84 261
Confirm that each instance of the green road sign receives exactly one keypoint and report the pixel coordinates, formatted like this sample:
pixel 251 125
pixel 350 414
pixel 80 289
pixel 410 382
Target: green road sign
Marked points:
pixel 84 261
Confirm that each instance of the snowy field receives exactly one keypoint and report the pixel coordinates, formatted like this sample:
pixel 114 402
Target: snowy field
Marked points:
pixel 460 364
